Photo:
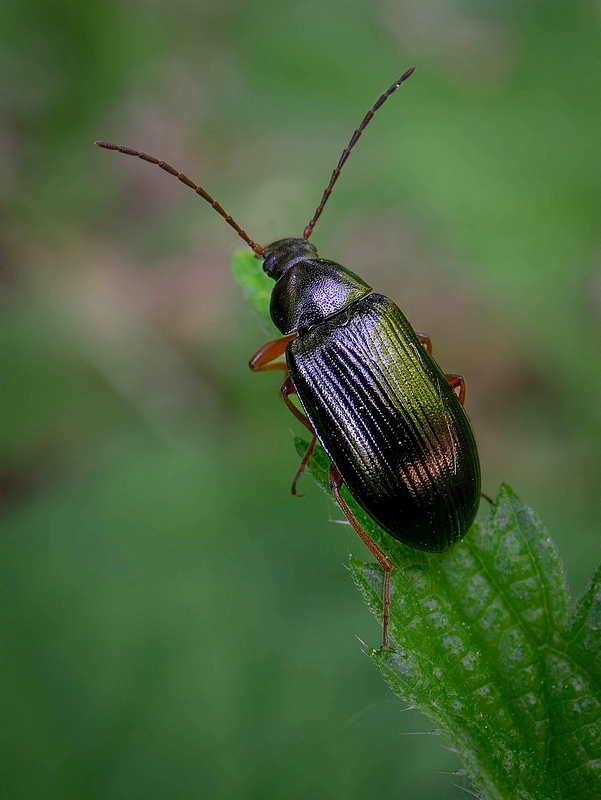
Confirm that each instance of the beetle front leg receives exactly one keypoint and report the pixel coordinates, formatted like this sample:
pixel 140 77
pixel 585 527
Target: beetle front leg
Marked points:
pixel 265 357
pixel 454 382
pixel 386 564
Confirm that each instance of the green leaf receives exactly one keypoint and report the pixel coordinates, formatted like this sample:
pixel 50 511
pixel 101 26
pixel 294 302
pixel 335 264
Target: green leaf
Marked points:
pixel 483 644
pixel 482 641
pixel 256 285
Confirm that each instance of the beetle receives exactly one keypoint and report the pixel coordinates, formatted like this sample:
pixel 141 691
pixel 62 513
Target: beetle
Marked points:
pixel 391 422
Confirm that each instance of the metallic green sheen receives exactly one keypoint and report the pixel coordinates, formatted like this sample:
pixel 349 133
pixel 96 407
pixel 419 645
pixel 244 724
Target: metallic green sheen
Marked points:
pixel 389 421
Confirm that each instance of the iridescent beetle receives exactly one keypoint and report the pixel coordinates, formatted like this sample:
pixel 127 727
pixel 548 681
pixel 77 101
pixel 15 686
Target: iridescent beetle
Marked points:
pixel 389 419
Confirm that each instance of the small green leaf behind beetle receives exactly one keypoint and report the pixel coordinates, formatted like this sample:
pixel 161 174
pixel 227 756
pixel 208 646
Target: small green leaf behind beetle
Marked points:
pixel 255 284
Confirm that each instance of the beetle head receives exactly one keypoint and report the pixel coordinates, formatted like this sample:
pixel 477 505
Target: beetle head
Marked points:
pixel 281 255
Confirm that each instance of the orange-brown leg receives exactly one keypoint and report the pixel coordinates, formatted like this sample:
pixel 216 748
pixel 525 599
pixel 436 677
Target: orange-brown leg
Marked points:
pixel 457 381
pixel 425 340
pixel 386 564
pixel 286 389
pixel 454 382
pixel 303 465
pixel 265 357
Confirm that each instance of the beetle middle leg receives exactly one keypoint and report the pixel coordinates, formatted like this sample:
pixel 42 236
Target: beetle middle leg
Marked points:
pixel 457 381
pixel 286 389
pixel 303 465
pixel 386 564
pixel 265 359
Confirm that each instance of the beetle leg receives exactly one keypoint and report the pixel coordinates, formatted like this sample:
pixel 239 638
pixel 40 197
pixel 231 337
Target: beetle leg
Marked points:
pixel 303 465
pixel 264 359
pixel 454 382
pixel 286 390
pixel 425 340
pixel 386 564
pixel 265 356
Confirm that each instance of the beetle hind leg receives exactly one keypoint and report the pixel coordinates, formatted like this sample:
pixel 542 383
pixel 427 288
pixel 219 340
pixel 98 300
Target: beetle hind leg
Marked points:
pixel 425 340
pixel 457 381
pixel 386 564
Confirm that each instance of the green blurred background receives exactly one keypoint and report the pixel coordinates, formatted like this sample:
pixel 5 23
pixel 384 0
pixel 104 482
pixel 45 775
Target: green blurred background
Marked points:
pixel 173 623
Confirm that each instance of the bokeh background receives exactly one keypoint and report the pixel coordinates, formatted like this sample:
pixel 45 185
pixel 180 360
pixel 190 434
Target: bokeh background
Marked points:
pixel 173 623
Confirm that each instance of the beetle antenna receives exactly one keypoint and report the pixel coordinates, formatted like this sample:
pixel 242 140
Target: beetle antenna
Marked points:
pixel 184 179
pixel 354 139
